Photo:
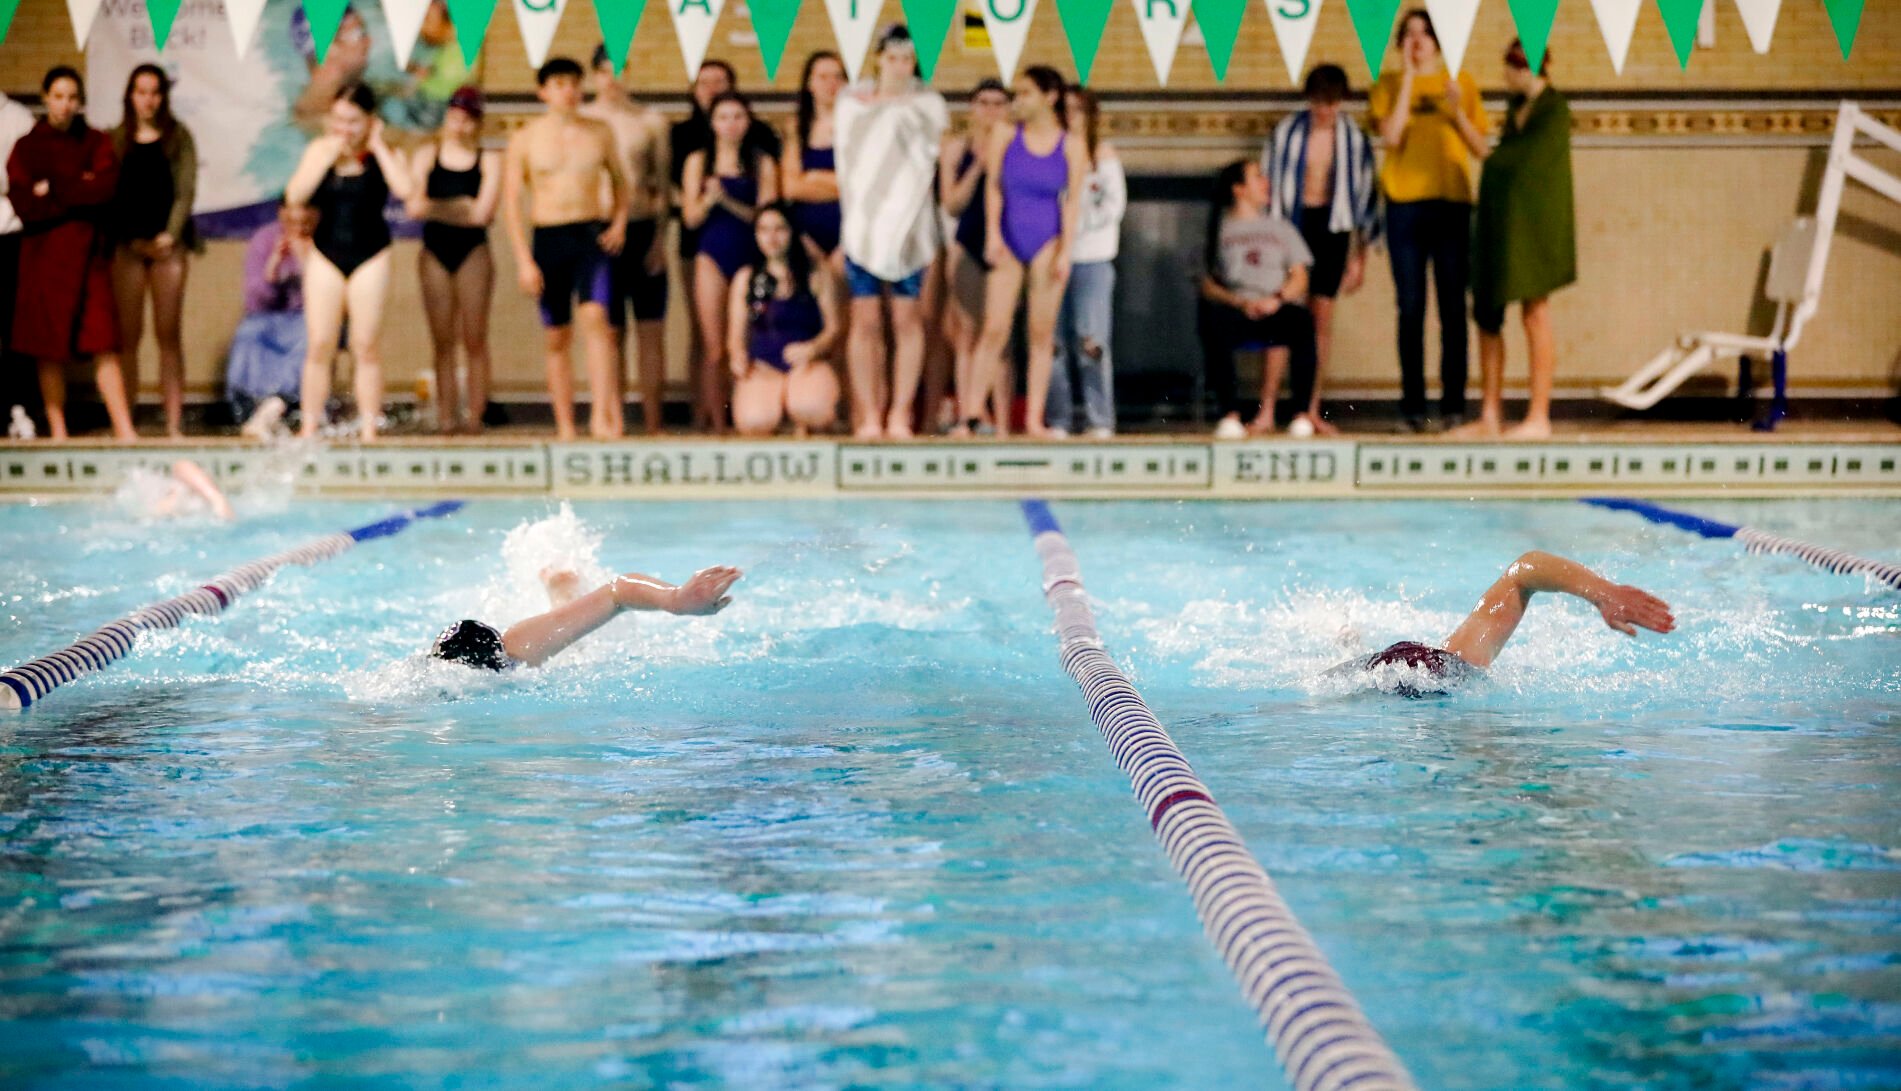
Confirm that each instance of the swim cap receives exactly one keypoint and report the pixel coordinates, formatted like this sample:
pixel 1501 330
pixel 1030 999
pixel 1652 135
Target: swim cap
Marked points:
pixel 468 99
pixel 473 644
pixel 1436 663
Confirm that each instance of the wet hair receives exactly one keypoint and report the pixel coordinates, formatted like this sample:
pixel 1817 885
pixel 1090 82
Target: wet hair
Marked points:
pixel 1229 177
pixel 63 72
pixel 1051 82
pixel 557 67
pixel 989 83
pixel 808 106
pixel 163 119
pixel 748 147
pixel 1406 20
pixel 472 644
pixel 1092 113
pixel 358 95
pixel 1327 82
pixel 798 262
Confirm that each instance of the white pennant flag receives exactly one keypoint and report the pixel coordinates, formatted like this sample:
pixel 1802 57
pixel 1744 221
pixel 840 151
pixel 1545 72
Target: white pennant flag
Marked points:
pixel 1161 22
pixel 1452 21
pixel 405 23
pixel 853 22
pixel 1008 24
pixel 1759 19
pixel 1294 22
pixel 538 20
pixel 1617 20
pixel 81 12
pixel 243 16
pixel 693 22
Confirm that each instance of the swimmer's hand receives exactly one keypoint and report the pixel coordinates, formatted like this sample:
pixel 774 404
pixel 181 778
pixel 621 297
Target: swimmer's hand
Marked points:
pixel 705 592
pixel 1625 608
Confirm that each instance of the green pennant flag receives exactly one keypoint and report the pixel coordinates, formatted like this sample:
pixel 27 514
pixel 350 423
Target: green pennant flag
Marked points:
pixel 470 18
pixel 1534 18
pixel 1220 22
pixel 618 18
pixel 7 8
pixel 929 22
pixel 772 24
pixel 1373 23
pixel 325 17
pixel 162 13
pixel 1845 15
pixel 1679 18
pixel 1083 23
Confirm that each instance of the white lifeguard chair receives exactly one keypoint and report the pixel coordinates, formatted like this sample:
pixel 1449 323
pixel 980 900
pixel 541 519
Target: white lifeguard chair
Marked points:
pixel 1796 268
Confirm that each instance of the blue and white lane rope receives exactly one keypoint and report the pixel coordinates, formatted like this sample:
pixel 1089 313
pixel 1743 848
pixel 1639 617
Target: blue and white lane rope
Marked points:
pixel 1759 541
pixel 1321 1037
pixel 29 683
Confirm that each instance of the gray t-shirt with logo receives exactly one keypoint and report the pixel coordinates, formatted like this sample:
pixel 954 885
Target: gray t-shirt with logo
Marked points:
pixel 1257 252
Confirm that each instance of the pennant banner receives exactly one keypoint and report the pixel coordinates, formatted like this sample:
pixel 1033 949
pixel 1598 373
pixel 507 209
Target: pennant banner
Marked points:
pixel 1533 18
pixel 1083 24
pixel 538 20
pixel 772 24
pixel 1294 22
pixel 81 12
pixel 243 16
pixel 1617 20
pixel 471 24
pixel 1680 18
pixel 325 16
pixel 1452 22
pixel 693 22
pixel 1008 24
pixel 7 10
pixel 1759 19
pixel 617 19
pixel 1219 22
pixel 1373 22
pixel 162 13
pixel 405 23
pixel 1845 17
pixel 1161 22
pixel 853 22
pixel 930 23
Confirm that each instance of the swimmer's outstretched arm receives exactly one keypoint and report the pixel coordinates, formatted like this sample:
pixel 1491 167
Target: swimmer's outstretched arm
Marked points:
pixel 538 638
pixel 193 476
pixel 1492 621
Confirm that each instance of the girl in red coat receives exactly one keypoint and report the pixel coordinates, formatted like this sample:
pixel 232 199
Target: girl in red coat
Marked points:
pixel 60 177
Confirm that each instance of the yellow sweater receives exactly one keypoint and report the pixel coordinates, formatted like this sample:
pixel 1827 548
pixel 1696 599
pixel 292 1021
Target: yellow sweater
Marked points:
pixel 1431 163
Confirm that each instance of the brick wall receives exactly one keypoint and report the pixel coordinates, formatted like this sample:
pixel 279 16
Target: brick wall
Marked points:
pixel 1805 55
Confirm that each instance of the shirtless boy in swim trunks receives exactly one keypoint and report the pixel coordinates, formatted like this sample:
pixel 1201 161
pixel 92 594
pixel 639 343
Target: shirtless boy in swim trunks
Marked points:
pixel 571 169
pixel 641 139
pixel 1477 641
pixel 574 615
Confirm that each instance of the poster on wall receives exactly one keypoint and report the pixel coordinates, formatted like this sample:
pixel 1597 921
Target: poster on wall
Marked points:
pixel 266 104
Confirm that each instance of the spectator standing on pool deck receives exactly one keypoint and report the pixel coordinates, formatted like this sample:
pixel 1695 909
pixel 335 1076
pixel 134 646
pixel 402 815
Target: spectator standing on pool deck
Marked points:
pixel 695 134
pixel 152 232
pixel 886 138
pixel 641 136
pixel 1255 285
pixel 810 163
pixel 268 348
pixel 1032 204
pixel 570 169
pixel 347 175
pixel 1525 246
pixel 455 186
pixel 60 177
pixel 1432 125
pixel 1321 173
pixel 15 383
pixel 723 189
pixel 783 322
pixel 960 175
pixel 1085 324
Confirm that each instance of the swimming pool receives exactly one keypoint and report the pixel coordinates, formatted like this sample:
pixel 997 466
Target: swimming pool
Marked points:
pixel 858 829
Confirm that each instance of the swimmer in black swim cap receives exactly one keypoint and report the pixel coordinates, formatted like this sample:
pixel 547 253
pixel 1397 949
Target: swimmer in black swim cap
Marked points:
pixel 576 614
pixel 1477 641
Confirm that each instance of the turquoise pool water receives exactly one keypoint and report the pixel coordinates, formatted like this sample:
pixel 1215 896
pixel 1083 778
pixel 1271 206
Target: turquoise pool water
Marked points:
pixel 858 830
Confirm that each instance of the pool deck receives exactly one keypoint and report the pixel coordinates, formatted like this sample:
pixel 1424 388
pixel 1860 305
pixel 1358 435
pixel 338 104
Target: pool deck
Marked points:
pixel 1858 457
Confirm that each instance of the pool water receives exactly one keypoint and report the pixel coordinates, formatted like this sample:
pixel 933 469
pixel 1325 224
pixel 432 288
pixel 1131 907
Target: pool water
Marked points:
pixel 858 830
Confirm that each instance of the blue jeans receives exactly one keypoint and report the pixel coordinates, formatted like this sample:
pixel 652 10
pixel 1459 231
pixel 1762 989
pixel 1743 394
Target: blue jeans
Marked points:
pixel 860 283
pixel 1439 232
pixel 1083 329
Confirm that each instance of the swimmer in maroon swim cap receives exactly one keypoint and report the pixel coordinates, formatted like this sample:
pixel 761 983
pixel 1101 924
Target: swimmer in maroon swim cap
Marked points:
pixel 1477 641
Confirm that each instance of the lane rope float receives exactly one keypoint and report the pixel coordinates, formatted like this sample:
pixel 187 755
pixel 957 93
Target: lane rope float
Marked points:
pixel 1759 541
pixel 30 682
pixel 1321 1037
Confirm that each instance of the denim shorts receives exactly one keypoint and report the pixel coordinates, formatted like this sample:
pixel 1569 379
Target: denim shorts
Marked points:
pixel 863 285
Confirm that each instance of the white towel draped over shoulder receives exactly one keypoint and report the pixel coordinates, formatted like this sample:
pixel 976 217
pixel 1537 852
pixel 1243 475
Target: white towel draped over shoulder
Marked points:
pixel 887 164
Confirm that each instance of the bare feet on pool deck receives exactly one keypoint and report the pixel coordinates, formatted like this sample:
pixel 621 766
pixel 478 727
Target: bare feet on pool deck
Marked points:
pixel 1529 429
pixel 705 591
pixel 1262 425
pixel 1482 428
pixel 898 425
pixel 1322 426
pixel 868 430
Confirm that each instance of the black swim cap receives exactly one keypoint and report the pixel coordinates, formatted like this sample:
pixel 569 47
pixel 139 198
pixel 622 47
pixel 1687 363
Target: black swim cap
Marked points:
pixel 473 644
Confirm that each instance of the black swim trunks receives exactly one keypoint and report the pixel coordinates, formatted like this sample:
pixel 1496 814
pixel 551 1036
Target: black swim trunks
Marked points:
pixel 572 264
pixel 636 289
